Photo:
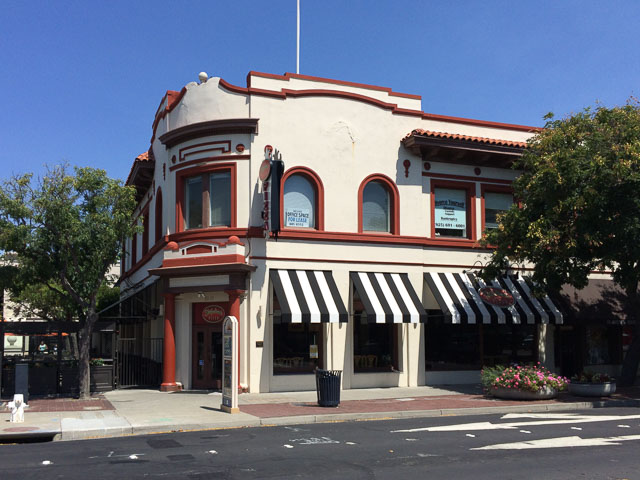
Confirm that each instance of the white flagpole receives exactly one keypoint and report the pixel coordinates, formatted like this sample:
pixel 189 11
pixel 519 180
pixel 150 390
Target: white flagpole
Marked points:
pixel 298 42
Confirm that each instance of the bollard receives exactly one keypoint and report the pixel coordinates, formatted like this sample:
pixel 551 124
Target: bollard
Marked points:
pixel 17 408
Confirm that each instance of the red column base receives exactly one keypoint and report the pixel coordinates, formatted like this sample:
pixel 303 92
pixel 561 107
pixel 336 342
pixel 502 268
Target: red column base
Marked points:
pixel 170 387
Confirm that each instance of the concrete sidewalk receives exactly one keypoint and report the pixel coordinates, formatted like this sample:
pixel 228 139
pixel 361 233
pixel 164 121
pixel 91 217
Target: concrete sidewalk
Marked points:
pixel 135 412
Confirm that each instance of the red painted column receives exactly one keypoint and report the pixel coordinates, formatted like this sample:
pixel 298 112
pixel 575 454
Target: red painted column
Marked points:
pixel 169 345
pixel 234 310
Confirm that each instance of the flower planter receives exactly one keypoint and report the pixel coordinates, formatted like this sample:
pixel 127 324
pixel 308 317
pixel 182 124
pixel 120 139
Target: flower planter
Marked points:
pixel 592 389
pixel 515 394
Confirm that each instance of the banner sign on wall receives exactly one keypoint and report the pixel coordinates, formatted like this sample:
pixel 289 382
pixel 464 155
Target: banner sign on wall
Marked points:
pixel 450 209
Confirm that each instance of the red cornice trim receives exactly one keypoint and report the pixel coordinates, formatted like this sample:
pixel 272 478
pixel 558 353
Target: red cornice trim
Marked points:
pixel 209 159
pixel 394 197
pixel 208 234
pixel 470 188
pixel 288 76
pixel 202 260
pixel 315 180
pixel 467 179
pixel 481 123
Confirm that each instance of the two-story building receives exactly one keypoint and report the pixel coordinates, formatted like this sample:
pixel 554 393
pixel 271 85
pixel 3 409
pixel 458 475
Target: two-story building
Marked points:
pixel 379 212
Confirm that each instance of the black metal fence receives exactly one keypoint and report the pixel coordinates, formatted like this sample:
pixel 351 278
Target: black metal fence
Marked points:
pixel 138 362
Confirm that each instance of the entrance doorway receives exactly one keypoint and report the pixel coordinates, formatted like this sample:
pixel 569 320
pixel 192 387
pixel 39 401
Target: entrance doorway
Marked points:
pixel 206 368
pixel 207 357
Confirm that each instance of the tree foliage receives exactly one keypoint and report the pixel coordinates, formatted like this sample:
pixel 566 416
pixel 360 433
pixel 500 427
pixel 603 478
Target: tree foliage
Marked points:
pixel 579 205
pixel 63 232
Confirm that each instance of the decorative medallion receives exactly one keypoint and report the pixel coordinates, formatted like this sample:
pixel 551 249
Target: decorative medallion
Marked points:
pixel 240 148
pixel 213 314
pixel 498 297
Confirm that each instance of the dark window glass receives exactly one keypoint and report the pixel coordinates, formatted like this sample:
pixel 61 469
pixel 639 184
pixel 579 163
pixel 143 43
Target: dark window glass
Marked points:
pixel 296 347
pixel 494 205
pixel 374 344
pixel 220 197
pixel 375 208
pixel 194 202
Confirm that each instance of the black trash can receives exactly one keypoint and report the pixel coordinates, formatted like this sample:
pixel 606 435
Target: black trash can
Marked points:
pixel 328 387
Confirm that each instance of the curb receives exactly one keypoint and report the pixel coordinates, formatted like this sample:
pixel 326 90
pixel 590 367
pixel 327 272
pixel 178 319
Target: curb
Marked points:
pixel 126 429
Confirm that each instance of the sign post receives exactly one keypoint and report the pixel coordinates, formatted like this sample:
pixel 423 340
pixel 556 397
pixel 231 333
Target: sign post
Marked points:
pixel 230 365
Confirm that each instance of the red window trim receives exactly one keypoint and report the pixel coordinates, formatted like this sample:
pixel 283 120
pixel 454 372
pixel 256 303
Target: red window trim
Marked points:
pixel 316 182
pixel 394 209
pixel 484 188
pixel 158 216
pixel 470 189
pixel 182 175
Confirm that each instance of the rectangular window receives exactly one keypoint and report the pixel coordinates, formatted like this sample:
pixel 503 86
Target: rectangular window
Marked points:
pixel 450 214
pixel 134 249
pixel 494 205
pixel 208 199
pixel 220 198
pixel 296 347
pixel 374 347
pixel 193 189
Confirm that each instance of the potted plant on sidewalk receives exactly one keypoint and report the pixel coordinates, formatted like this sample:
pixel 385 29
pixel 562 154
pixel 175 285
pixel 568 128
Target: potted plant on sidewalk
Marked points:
pixel 590 384
pixel 530 382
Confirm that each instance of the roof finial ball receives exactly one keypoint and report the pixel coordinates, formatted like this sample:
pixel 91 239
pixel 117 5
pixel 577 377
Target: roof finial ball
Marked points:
pixel 203 77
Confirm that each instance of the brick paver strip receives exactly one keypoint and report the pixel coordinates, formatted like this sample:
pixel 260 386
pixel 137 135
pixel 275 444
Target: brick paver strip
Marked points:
pixel 68 405
pixel 444 402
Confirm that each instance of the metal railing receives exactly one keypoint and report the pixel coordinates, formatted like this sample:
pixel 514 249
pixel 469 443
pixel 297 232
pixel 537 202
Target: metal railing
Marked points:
pixel 138 362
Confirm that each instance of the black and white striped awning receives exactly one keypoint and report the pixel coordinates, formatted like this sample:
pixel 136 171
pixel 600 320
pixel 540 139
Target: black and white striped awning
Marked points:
pixel 458 296
pixel 309 296
pixel 388 297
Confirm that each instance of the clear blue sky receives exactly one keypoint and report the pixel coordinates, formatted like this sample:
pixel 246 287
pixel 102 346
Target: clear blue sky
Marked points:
pixel 81 80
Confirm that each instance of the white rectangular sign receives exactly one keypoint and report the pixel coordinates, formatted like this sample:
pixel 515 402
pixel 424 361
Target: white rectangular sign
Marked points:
pixel 450 209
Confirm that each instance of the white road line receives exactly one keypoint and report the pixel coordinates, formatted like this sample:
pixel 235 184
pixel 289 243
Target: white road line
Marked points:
pixel 509 426
pixel 560 442
pixel 525 431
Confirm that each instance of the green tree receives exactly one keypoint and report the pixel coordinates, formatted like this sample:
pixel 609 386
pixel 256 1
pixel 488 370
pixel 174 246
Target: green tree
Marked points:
pixel 64 231
pixel 579 210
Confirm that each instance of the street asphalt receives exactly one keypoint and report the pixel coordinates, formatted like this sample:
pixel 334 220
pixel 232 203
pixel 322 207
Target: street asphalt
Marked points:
pixel 584 444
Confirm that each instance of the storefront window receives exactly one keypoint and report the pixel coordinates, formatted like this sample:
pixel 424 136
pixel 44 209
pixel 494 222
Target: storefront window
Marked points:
pixel 296 347
pixel 507 344
pixel 597 345
pixel 452 347
pixel 373 347
pixel 494 205
pixel 450 215
pixel 470 347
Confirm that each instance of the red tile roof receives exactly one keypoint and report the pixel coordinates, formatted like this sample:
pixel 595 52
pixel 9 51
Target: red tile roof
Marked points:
pixel 455 136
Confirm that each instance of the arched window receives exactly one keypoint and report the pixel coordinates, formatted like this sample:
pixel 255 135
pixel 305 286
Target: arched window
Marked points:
pixel 378 205
pixel 299 202
pixel 158 216
pixel 375 208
